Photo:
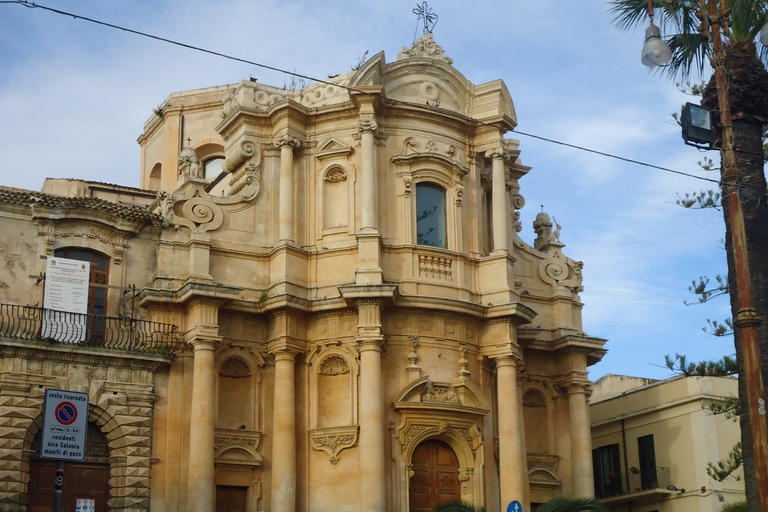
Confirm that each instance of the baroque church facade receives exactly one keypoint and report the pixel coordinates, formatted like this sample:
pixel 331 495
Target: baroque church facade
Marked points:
pixel 319 299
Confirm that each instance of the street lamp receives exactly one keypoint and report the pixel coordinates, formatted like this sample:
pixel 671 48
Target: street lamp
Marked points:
pixel 655 51
pixel 746 320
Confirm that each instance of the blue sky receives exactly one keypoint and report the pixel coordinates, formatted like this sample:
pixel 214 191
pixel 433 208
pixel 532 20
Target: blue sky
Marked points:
pixel 74 97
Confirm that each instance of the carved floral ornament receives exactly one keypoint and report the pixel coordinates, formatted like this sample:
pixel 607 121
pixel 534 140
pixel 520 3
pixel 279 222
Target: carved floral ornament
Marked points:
pixel 333 440
pixel 414 431
pixel 429 153
pixel 237 446
pixel 286 140
pixel 51 229
pixel 426 47
pixel 367 125
pixel 335 174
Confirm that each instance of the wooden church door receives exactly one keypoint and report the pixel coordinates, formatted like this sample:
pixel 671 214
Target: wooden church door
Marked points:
pixel 435 476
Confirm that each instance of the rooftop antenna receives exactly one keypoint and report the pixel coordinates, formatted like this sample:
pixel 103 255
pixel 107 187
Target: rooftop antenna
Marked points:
pixel 424 12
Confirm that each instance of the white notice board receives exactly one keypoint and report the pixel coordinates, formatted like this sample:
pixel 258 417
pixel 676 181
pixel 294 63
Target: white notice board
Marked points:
pixel 66 285
pixel 65 425
pixel 66 299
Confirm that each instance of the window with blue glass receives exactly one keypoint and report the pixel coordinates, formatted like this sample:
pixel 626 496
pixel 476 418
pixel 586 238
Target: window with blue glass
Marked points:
pixel 430 215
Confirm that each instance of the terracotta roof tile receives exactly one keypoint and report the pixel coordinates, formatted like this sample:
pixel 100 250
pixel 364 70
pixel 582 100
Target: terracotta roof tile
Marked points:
pixel 16 196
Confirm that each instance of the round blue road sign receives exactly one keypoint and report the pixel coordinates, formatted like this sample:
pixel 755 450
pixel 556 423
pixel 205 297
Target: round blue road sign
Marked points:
pixel 514 506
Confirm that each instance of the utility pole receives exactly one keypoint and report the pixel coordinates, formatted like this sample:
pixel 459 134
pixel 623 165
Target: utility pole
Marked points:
pixel 747 319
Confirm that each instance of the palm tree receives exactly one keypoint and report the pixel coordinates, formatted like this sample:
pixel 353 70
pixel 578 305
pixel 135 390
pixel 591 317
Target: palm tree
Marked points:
pixel 745 63
pixel 457 505
pixel 577 505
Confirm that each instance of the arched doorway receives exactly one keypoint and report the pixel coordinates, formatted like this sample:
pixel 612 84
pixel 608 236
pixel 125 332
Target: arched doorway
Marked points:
pixel 435 476
pixel 82 480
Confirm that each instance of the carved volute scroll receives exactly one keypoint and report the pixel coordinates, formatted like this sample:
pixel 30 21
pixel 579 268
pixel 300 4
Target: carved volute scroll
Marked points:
pixel 244 165
pixel 556 269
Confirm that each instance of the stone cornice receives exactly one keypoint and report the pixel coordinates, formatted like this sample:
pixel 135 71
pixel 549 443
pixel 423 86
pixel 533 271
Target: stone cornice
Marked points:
pixel 589 346
pixel 219 294
pixel 383 292
pixel 92 356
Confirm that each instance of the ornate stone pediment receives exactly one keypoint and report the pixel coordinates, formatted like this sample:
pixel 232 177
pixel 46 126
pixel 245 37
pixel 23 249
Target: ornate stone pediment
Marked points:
pixel 333 149
pixel 238 447
pixel 459 395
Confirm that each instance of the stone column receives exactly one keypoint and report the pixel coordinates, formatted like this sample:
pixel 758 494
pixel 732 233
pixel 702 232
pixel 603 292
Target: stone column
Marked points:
pixel 499 195
pixel 581 442
pixel 201 495
pixel 513 466
pixel 284 437
pixel 367 176
pixel 286 143
pixel 373 461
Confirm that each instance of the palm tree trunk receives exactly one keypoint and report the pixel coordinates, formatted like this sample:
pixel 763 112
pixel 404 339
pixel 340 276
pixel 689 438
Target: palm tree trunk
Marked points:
pixel 748 92
pixel 749 135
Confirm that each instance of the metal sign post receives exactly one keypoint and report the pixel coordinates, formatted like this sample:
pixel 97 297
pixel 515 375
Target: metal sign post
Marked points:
pixel 65 425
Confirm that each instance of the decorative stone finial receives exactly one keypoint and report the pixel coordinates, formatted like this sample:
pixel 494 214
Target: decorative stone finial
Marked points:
pixel 426 47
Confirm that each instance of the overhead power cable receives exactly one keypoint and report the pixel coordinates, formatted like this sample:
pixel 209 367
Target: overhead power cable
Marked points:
pixel 33 5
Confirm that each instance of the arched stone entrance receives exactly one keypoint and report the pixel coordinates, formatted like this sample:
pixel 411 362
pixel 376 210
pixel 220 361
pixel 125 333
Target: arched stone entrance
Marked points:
pixel 82 480
pixel 435 476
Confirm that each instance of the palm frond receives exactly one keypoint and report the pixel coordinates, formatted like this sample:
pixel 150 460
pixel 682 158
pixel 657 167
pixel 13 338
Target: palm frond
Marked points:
pixel 457 505
pixel 573 505
pixel 690 54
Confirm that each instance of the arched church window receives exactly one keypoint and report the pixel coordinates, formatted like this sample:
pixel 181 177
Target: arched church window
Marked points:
pixel 213 167
pixel 430 215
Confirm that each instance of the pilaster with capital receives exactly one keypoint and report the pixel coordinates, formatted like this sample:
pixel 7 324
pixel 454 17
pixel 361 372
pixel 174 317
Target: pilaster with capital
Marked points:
pixel 287 144
pixel 499 157
pixel 284 437
pixel 513 466
pixel 372 434
pixel 581 438
pixel 367 129
pixel 202 315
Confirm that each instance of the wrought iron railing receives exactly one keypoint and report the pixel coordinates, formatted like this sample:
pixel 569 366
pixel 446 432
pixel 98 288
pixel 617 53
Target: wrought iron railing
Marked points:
pixel 38 324
pixel 618 484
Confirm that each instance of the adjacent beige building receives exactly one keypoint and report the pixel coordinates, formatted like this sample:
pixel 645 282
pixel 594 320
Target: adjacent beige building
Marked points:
pixel 653 440
pixel 319 300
